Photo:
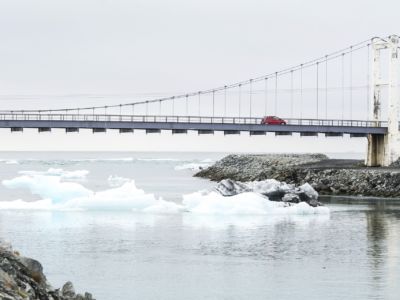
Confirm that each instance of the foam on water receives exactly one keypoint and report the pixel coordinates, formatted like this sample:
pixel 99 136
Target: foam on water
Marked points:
pixel 58 192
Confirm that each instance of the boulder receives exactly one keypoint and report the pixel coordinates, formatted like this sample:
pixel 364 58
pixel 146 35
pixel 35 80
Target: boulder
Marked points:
pixel 68 290
pixel 291 198
pixel 34 269
pixel 22 278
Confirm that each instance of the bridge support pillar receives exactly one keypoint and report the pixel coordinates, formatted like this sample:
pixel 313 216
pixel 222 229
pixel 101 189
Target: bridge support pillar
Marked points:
pixel 376 150
pixel 385 149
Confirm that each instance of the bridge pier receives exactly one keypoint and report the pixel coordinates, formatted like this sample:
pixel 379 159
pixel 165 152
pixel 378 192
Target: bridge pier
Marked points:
pixel 376 150
pixel 385 149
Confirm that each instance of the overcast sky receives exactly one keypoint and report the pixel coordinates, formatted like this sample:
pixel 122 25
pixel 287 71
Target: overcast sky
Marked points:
pixel 127 49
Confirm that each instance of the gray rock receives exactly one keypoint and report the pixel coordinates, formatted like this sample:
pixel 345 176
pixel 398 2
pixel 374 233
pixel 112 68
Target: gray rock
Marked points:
pixel 68 290
pixel 291 198
pixel 229 187
pixel 34 268
pixel 22 278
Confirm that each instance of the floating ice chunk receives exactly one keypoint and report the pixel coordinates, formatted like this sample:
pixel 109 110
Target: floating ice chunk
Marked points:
pixel 309 191
pixel 125 197
pixel 269 186
pixel 116 181
pixel 273 189
pixel 12 162
pixel 192 166
pixel 244 203
pixel 9 161
pixel 59 195
pixel 48 187
pixel 207 160
pixel 19 204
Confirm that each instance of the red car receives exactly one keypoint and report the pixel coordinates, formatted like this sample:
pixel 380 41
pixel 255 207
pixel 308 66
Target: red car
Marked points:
pixel 272 120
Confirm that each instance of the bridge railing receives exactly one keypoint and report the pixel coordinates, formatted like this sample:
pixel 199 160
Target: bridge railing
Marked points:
pixel 181 119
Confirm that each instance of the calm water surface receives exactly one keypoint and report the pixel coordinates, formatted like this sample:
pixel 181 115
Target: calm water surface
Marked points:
pixel 352 253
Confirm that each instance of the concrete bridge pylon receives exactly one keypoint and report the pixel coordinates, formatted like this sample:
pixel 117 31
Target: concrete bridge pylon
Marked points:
pixel 385 149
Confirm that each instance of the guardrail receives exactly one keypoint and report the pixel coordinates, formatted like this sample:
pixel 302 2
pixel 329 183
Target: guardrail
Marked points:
pixel 182 119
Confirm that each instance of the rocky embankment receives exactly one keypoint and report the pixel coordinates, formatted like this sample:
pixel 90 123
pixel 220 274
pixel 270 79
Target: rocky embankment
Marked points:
pixel 22 278
pixel 326 176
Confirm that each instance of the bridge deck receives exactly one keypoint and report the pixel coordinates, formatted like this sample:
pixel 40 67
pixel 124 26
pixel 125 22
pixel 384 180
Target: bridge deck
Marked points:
pixel 184 123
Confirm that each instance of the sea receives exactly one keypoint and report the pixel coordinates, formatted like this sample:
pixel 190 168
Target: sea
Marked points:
pixel 132 225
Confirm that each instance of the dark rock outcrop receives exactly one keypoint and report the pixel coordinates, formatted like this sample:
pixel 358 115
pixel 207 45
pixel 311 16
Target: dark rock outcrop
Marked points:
pixel 22 278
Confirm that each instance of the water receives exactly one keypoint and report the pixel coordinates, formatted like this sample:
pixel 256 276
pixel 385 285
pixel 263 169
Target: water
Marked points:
pixel 351 253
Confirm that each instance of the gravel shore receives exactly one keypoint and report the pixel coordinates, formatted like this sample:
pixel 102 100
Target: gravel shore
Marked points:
pixel 327 176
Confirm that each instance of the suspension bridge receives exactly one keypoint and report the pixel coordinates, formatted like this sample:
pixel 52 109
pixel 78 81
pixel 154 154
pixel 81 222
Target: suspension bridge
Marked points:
pixel 351 91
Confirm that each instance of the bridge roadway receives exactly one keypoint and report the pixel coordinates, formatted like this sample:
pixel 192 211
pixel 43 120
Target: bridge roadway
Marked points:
pixel 182 124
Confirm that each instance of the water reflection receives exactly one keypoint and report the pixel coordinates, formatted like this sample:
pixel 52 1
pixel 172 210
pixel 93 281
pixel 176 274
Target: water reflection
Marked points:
pixel 384 245
pixel 353 253
pixel 377 232
pixel 382 231
pixel 221 222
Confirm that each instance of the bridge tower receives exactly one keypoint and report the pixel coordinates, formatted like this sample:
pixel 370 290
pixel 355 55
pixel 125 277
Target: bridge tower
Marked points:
pixel 385 149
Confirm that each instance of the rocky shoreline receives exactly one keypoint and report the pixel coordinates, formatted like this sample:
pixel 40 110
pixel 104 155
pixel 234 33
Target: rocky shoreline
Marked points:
pixel 22 278
pixel 326 176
